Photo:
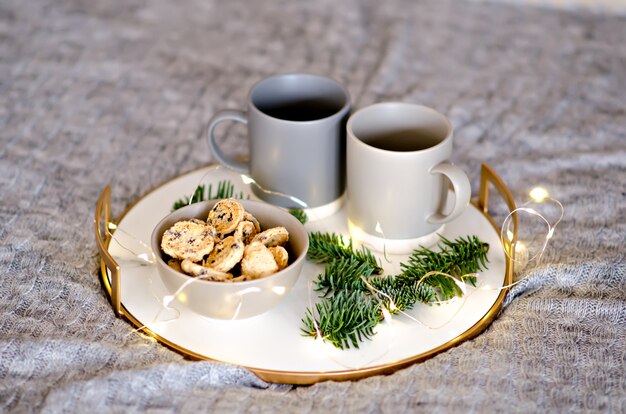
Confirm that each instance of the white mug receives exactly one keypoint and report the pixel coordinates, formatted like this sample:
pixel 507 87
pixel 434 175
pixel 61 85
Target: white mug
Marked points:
pixel 398 174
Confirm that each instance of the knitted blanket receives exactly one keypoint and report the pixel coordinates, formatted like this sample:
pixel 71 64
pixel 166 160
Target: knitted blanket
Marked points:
pixel 120 92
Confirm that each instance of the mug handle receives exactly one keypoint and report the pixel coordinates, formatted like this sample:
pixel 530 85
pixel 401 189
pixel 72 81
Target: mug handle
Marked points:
pixel 226 115
pixel 462 191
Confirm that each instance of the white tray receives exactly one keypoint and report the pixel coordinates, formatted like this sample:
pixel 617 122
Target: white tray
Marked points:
pixel 271 345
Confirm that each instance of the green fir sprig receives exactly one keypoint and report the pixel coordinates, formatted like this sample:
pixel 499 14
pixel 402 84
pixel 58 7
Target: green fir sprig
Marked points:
pixel 458 258
pixel 404 295
pixel 357 323
pixel 353 293
pixel 225 189
pixel 300 214
pixel 344 274
pixel 326 247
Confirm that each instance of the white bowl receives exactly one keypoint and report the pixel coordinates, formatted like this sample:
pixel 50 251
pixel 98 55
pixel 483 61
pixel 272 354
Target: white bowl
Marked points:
pixel 234 300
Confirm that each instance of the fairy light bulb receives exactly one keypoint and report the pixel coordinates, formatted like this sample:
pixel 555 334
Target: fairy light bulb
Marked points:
pixel 145 257
pixel 386 315
pixel 247 179
pixel 522 255
pixel 167 299
pixel 182 297
pixel 509 235
pixel 539 194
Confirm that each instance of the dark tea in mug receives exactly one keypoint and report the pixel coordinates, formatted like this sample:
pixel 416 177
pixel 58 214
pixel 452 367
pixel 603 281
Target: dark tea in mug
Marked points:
pixel 299 111
pixel 403 140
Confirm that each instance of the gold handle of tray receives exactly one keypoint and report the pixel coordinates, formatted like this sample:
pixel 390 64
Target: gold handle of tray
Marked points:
pixel 103 236
pixel 488 176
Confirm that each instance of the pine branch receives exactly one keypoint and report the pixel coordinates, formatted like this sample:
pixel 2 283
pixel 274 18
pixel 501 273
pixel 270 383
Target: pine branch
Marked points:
pixel 404 295
pixel 326 247
pixel 352 297
pixel 458 258
pixel 346 320
pixel 225 189
pixel 343 274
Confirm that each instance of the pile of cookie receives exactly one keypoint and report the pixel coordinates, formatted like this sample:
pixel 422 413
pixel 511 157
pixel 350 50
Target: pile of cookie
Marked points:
pixel 229 246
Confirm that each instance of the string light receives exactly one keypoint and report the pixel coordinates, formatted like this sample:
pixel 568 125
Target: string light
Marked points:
pixel 517 250
pixel 391 307
pixel 146 257
pixel 249 180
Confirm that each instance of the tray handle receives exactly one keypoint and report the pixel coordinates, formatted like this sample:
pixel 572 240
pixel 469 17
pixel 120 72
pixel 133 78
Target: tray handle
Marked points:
pixel 103 236
pixel 488 176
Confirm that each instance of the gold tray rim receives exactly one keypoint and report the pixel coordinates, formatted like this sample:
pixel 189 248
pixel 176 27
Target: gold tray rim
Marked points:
pixel 308 378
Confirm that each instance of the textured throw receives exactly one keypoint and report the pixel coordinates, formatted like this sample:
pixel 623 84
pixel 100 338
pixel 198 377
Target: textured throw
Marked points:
pixel 120 92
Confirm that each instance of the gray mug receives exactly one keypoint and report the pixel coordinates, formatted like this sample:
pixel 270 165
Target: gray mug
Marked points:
pixel 296 131
pixel 396 171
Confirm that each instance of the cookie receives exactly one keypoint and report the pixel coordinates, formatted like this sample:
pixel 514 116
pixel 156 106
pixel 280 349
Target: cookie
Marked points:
pixel 245 231
pixel 205 273
pixel 249 217
pixel 198 221
pixel 174 264
pixel 257 261
pixel 226 254
pixel 276 236
pixel 188 239
pixel 281 257
pixel 225 216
